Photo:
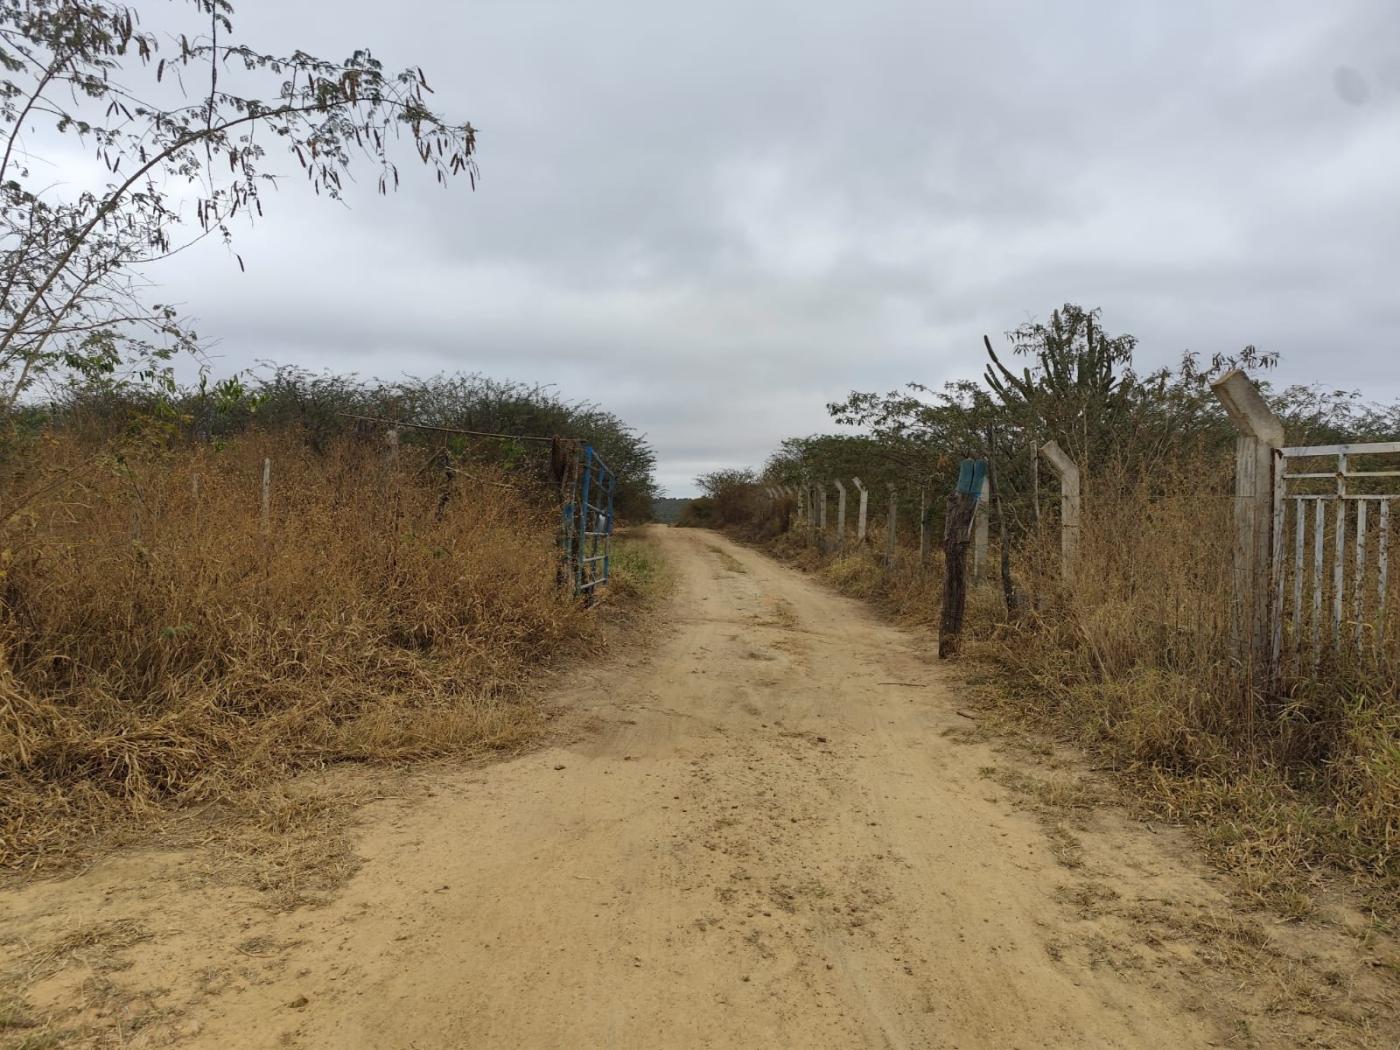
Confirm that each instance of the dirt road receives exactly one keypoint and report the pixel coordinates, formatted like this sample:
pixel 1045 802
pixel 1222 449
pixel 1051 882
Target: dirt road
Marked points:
pixel 772 830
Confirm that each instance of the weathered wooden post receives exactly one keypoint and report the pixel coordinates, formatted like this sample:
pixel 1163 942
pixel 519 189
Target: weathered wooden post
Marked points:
pixel 981 531
pixel 1260 435
pixel 890 528
pixel 860 514
pixel 840 515
pixel 821 520
pixel 957 533
pixel 1068 473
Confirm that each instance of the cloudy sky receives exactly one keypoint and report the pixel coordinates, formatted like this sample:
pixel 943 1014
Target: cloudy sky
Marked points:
pixel 714 217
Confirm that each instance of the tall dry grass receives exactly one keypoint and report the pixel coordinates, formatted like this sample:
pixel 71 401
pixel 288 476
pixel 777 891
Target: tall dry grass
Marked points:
pixel 1135 659
pixel 160 644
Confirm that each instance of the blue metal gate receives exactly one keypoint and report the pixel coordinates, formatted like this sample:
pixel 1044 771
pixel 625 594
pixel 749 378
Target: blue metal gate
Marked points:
pixel 588 522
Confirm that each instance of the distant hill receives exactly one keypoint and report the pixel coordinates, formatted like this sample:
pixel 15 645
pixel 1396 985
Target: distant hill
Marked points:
pixel 667 510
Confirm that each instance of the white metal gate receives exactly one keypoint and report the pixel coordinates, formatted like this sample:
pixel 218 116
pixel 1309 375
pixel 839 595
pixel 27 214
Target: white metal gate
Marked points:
pixel 1332 542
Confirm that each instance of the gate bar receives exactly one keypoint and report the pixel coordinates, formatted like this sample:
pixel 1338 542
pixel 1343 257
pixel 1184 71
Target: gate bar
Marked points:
pixel 1358 598
pixel 1339 576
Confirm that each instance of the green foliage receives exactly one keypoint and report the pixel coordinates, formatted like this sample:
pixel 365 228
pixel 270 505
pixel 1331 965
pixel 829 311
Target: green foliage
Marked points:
pixel 1079 389
pixel 719 483
pixel 1079 386
pixel 668 510
pixel 323 406
pixel 697 514
pixel 73 301
pixel 637 572
pixel 732 497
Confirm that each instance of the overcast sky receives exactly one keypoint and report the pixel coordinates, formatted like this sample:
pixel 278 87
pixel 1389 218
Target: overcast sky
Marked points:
pixel 715 217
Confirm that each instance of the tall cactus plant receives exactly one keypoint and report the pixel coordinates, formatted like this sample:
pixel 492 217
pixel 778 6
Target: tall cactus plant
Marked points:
pixel 1078 388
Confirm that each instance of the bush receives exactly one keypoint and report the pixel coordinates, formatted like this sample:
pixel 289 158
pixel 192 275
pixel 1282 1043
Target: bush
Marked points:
pixel 161 645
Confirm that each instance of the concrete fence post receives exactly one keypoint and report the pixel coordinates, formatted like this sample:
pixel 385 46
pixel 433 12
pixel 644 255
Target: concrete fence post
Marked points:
pixel 981 531
pixel 1260 436
pixel 861 512
pixel 1068 472
pixel 267 495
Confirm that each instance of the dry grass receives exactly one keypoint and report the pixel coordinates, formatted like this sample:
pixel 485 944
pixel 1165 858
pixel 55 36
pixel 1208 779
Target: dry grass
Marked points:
pixel 730 563
pixel 637 573
pixel 161 647
pixel 1135 662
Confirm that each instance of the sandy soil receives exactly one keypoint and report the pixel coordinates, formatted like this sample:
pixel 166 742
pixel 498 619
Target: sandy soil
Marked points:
pixel 775 827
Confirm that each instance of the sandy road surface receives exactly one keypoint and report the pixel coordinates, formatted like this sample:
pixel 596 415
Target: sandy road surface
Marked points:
pixel 770 831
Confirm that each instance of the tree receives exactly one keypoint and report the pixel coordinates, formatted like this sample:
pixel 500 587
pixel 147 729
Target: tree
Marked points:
pixel 186 137
pixel 1079 389
pixel 731 497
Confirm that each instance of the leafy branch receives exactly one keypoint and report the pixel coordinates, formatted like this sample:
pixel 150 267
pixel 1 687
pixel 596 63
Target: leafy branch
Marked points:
pixel 181 152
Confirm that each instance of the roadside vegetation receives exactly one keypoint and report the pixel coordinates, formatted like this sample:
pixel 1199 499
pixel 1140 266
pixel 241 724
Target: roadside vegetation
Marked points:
pixel 166 641
pixel 1133 658
pixel 205 589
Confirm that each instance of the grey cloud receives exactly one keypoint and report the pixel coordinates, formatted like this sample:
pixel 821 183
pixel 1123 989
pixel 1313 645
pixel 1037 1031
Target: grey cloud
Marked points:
pixel 715 218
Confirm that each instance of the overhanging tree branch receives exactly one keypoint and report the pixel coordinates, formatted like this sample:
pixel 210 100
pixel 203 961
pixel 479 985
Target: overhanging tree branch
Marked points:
pixel 70 61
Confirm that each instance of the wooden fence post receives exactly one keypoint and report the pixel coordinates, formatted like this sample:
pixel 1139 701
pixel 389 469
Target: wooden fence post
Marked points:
pixel 860 514
pixel 957 533
pixel 821 520
pixel 1068 473
pixel 1260 435
pixel 840 514
pixel 981 532
pixel 890 537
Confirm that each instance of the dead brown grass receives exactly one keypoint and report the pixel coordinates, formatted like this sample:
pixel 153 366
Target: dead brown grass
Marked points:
pixel 1135 661
pixel 162 647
